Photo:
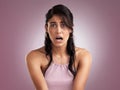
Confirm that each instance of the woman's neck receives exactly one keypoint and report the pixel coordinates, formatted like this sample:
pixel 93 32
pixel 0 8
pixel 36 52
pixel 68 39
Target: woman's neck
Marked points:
pixel 60 55
pixel 59 51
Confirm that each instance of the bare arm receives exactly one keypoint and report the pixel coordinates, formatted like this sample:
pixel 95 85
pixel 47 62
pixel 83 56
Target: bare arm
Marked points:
pixel 81 77
pixel 34 64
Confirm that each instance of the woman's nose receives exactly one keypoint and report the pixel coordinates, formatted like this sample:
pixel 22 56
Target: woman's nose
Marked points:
pixel 59 29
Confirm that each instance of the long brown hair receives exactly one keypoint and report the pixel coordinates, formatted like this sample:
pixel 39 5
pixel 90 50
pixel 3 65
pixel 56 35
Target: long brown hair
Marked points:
pixel 67 17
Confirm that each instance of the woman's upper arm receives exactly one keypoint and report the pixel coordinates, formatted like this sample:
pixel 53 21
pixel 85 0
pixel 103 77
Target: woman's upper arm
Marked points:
pixel 85 60
pixel 33 65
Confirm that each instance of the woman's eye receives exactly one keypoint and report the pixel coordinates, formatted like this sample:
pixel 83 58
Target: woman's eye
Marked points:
pixel 53 25
pixel 63 25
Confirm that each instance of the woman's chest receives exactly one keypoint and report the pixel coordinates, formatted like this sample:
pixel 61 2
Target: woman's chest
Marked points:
pixel 59 76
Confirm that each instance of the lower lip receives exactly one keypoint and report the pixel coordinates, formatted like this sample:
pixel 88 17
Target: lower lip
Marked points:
pixel 58 40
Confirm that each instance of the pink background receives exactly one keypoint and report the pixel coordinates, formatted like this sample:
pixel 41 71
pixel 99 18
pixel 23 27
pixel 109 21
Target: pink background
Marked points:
pixel 97 25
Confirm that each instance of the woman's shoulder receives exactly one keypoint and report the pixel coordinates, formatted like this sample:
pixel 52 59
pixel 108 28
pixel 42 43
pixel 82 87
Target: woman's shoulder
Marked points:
pixel 82 52
pixel 36 55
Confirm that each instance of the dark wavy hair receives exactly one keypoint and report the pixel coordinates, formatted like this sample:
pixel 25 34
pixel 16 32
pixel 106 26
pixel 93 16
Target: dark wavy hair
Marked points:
pixel 67 17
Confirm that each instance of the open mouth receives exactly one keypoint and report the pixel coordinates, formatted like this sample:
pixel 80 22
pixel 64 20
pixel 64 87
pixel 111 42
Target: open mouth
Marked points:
pixel 59 38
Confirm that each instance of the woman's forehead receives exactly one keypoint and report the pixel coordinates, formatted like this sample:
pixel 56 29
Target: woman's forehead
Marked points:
pixel 56 18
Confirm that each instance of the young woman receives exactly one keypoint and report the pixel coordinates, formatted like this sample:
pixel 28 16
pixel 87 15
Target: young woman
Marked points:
pixel 59 65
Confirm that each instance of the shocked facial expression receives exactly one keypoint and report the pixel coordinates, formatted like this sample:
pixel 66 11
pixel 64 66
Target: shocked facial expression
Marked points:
pixel 58 31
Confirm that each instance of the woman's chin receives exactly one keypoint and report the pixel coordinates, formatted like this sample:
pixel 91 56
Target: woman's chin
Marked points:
pixel 59 45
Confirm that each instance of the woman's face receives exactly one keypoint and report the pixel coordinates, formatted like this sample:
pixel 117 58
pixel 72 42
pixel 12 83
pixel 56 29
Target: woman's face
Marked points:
pixel 58 31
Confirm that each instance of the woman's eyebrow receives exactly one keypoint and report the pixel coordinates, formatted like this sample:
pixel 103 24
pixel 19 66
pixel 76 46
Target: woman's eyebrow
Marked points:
pixel 52 22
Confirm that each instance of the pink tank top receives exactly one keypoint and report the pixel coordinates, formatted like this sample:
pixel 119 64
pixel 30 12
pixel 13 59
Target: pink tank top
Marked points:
pixel 58 77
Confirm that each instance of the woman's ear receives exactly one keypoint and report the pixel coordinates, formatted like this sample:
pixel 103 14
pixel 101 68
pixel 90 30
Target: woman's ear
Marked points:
pixel 46 27
pixel 70 31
